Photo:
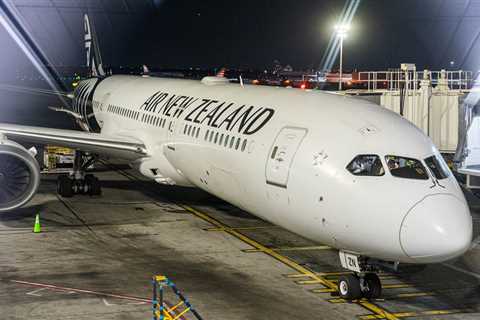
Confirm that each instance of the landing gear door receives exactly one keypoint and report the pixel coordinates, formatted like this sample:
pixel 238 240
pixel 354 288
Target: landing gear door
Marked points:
pixel 281 155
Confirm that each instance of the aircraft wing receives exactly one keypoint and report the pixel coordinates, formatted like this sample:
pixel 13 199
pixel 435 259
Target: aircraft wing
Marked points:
pixel 109 145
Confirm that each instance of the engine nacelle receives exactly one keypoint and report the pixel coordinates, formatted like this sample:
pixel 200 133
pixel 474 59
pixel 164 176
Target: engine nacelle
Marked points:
pixel 19 175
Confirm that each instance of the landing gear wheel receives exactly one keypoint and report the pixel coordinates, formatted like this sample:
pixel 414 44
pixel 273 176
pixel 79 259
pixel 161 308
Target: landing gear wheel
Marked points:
pixel 65 186
pixel 92 185
pixel 373 286
pixel 349 287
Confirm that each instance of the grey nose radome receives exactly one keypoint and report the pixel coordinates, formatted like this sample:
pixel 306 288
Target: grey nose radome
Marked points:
pixel 436 229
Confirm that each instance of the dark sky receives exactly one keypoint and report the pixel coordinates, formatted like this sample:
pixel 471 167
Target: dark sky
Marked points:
pixel 252 33
pixel 385 33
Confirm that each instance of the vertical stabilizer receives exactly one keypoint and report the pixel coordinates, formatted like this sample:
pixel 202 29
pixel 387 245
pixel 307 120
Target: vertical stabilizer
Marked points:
pixel 94 58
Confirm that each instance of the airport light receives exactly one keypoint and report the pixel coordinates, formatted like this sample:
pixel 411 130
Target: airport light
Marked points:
pixel 341 32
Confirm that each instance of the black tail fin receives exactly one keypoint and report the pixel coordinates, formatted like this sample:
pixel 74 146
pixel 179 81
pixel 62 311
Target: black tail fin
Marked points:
pixel 94 58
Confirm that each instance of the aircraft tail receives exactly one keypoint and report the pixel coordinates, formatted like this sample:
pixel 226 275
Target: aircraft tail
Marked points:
pixel 145 71
pixel 94 58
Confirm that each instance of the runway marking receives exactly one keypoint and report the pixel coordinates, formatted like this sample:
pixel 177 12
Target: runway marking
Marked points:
pixel 308 248
pixel 400 315
pixel 393 297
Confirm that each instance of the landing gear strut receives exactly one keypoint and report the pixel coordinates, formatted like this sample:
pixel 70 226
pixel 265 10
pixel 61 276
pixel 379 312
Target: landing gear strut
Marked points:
pixel 357 286
pixel 78 182
pixel 364 283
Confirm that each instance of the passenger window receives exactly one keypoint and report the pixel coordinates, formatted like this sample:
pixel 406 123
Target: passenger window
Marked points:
pixel 226 141
pixel 438 167
pixel 407 168
pixel 366 165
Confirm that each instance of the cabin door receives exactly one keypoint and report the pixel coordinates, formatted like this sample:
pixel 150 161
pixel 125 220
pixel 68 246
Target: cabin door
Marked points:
pixel 282 154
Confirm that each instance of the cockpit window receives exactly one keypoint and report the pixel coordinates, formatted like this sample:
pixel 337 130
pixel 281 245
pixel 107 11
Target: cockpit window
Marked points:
pixel 438 167
pixel 366 165
pixel 407 168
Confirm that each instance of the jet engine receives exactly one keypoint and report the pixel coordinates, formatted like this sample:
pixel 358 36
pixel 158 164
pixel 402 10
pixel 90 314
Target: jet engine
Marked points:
pixel 19 175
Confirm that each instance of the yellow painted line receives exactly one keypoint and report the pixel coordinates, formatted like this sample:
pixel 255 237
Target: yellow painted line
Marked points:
pixel 398 296
pixel 413 295
pixel 292 249
pixel 397 286
pixel 306 282
pixel 325 290
pixel 290 263
pixel 386 277
pixel 330 286
pixel 400 315
pixel 379 312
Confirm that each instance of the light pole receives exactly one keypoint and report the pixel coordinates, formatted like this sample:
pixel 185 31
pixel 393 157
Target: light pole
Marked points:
pixel 342 32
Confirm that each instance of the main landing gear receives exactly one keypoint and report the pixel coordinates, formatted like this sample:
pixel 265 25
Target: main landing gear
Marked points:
pixel 364 283
pixel 78 182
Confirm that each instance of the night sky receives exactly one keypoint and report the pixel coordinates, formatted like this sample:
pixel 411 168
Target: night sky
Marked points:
pixel 384 33
pixel 235 34
pixel 253 33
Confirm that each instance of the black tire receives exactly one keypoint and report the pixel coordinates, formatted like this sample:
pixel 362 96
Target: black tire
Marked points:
pixel 349 287
pixel 93 185
pixel 65 186
pixel 373 286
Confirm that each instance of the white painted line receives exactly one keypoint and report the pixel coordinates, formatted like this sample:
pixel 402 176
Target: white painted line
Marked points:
pixel 106 303
pixel 35 292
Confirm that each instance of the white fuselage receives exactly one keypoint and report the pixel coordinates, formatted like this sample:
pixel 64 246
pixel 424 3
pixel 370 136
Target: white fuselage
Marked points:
pixel 287 162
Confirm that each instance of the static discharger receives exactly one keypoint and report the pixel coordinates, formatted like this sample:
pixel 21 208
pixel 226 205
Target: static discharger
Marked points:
pixel 161 311
pixel 37 228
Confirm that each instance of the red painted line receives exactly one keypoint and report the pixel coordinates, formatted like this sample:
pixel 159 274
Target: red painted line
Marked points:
pixel 97 293
pixel 110 295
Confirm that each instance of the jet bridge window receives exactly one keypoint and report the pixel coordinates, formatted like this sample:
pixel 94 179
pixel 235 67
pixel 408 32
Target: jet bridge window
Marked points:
pixel 407 168
pixel 438 167
pixel 366 165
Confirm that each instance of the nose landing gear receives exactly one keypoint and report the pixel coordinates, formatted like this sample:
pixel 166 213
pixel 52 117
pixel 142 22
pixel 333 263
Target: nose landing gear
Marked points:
pixel 364 283
pixel 78 182
pixel 357 286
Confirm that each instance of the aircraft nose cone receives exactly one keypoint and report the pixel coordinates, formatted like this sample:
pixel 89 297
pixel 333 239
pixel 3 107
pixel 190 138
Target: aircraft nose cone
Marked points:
pixel 436 229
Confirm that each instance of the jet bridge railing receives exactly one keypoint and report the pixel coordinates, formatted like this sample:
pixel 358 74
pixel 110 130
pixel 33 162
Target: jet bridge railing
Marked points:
pixel 397 79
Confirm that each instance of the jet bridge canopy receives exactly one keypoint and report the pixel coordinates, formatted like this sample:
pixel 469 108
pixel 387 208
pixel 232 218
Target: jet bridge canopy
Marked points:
pixel 467 156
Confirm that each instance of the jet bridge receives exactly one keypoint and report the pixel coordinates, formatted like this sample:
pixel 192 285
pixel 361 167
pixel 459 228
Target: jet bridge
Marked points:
pixel 467 156
pixel 432 100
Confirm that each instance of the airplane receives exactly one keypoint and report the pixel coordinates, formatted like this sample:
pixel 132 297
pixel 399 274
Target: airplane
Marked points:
pixel 339 171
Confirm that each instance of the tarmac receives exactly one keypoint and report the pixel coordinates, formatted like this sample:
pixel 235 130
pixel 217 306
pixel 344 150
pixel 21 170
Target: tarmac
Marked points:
pixel 96 256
